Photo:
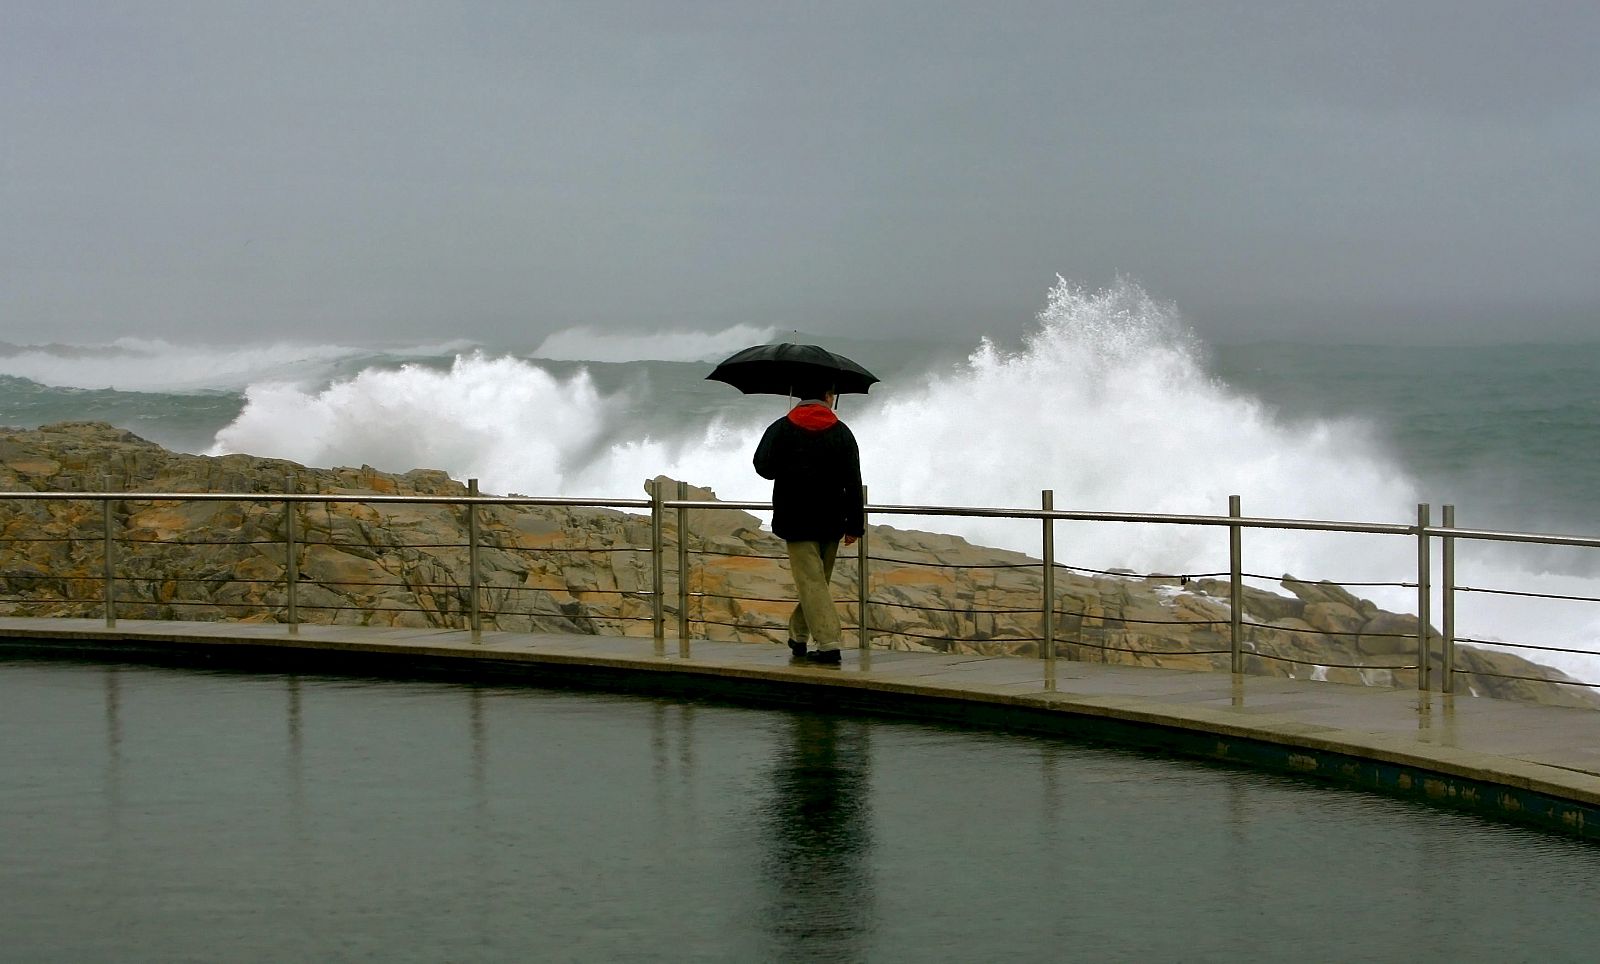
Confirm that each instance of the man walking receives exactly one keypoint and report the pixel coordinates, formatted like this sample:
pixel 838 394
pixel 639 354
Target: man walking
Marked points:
pixel 815 467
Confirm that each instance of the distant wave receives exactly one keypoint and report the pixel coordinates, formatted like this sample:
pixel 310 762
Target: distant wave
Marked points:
pixel 586 344
pixel 155 365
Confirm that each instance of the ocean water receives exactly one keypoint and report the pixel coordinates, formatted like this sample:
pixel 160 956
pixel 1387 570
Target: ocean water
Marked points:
pixel 1110 400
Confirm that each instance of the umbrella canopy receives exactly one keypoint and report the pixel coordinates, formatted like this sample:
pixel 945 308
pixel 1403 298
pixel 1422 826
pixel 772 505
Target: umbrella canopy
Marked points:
pixel 787 369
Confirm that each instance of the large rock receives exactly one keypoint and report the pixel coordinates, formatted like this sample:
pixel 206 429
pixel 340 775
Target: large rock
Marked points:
pixel 1313 593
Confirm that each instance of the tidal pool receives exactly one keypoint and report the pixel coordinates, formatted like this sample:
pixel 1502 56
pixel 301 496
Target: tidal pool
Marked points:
pixel 156 814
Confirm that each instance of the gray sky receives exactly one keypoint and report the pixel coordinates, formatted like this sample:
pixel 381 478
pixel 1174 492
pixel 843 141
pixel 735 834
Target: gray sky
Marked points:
pixel 234 171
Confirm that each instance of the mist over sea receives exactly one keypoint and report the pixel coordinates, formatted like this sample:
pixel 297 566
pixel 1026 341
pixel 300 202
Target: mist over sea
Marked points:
pixel 1110 400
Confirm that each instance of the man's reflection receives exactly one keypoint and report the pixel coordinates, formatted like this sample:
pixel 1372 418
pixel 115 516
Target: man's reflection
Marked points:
pixel 820 823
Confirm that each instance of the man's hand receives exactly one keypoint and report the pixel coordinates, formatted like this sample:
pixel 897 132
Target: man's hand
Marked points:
pixel 849 540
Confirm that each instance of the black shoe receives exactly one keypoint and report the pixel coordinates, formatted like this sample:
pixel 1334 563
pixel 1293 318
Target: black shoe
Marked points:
pixel 824 657
pixel 797 648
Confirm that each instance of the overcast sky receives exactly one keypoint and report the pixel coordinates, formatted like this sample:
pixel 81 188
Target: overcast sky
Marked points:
pixel 232 171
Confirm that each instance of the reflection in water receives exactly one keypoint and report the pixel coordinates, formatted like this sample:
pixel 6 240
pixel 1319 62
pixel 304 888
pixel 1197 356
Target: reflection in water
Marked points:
pixel 113 783
pixel 480 829
pixel 1236 798
pixel 687 768
pixel 297 819
pixel 296 760
pixel 674 769
pixel 479 734
pixel 819 865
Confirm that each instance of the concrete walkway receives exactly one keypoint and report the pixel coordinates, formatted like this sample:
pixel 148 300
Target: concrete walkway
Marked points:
pixel 1534 764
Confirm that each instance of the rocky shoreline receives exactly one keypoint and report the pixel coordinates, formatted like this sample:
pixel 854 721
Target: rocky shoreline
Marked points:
pixel 587 570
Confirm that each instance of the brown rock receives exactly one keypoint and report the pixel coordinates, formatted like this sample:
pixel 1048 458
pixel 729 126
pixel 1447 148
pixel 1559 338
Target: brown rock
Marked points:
pixel 1389 634
pixel 1327 592
pixel 1333 617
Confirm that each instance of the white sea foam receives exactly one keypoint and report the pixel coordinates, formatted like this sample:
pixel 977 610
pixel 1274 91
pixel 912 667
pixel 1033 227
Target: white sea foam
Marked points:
pixel 1107 403
pixel 585 344
pixel 501 419
pixel 154 365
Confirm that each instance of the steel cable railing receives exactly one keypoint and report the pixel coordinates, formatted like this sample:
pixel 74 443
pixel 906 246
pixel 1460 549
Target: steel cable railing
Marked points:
pixel 462 601
pixel 1533 679
pixel 1529 595
pixel 1336 582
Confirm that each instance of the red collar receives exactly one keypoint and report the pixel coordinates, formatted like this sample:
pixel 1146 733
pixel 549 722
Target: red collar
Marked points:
pixel 813 417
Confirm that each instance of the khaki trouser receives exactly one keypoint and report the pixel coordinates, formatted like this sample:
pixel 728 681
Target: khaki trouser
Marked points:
pixel 811 564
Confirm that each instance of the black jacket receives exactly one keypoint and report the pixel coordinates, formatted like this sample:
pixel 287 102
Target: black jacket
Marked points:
pixel 812 460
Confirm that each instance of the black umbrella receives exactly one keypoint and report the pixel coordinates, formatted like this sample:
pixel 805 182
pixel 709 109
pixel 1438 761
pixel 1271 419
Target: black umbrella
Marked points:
pixel 785 369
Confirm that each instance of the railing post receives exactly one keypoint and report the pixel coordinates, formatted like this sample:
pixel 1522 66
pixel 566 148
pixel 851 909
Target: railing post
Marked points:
pixel 1424 594
pixel 658 581
pixel 476 622
pixel 683 569
pixel 291 562
pixel 1235 586
pixel 863 633
pixel 1448 684
pixel 1047 647
pixel 110 559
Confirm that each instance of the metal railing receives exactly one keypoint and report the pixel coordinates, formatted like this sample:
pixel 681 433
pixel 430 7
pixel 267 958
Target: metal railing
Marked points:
pixel 1422 532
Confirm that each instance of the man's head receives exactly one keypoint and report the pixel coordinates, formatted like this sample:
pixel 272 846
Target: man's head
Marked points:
pixel 818 391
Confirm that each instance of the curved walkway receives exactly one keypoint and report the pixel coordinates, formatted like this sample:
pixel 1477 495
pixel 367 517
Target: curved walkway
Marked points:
pixel 1532 764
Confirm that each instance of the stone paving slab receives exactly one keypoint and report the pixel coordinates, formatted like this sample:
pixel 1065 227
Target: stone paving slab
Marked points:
pixel 1551 750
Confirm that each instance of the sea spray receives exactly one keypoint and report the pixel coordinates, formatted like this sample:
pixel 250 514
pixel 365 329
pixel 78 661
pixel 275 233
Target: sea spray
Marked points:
pixel 1108 402
pixel 504 420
